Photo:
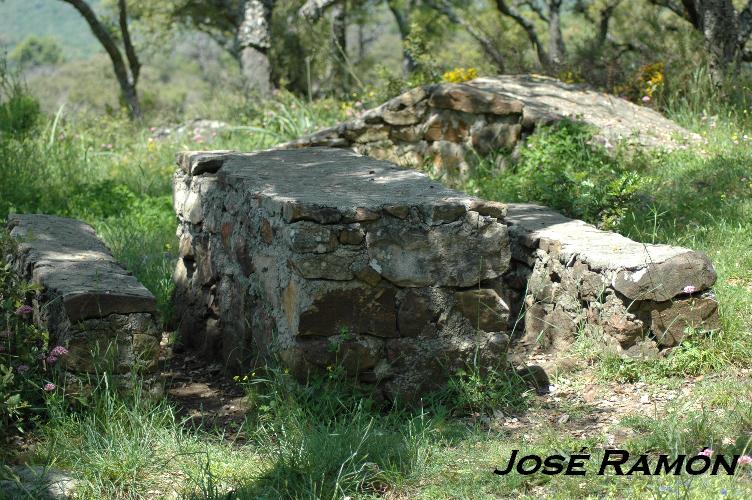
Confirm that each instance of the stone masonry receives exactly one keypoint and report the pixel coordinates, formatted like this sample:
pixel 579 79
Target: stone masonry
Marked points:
pixel 448 127
pixel 323 257
pixel 87 301
pixel 570 276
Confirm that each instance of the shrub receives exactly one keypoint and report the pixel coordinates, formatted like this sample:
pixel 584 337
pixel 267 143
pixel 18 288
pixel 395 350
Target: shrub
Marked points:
pixel 561 167
pixel 19 111
pixel 27 370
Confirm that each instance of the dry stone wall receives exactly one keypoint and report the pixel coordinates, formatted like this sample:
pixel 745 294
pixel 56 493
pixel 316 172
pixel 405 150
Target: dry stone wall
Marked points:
pixel 447 127
pixel 572 277
pixel 323 257
pixel 87 301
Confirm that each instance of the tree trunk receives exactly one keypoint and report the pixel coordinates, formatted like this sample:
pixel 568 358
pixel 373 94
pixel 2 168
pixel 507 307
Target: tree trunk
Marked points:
pixel 339 47
pixel 543 56
pixel 403 25
pixel 253 41
pixel 556 49
pixel 126 82
pixel 720 29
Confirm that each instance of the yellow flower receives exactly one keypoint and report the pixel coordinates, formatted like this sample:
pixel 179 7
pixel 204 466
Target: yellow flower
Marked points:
pixel 459 75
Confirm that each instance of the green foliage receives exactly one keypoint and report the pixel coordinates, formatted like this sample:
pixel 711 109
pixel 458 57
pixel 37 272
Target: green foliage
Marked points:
pixel 36 51
pixel 561 167
pixel 25 366
pixel 471 391
pixel 19 110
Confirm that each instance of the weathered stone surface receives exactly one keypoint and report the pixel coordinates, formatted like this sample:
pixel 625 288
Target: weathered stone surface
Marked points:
pixel 323 256
pixel 640 297
pixel 415 313
pixel 484 309
pixel 547 100
pixel 87 300
pixel 470 99
pixel 670 320
pixel 449 124
pixel 35 481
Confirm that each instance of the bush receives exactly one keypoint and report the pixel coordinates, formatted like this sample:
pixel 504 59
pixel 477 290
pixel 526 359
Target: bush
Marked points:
pixel 19 111
pixel 36 51
pixel 28 371
pixel 561 167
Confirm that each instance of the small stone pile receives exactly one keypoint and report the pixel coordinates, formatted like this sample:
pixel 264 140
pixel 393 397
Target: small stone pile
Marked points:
pixel 448 127
pixel 326 258
pixel 88 303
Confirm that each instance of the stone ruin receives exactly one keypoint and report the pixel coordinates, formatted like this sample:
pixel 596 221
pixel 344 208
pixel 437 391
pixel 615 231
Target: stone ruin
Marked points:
pixel 324 257
pixel 448 127
pixel 321 257
pixel 87 301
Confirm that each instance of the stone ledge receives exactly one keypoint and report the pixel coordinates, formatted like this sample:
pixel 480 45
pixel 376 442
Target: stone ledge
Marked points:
pixel 448 125
pixel 640 297
pixel 87 300
pixel 321 255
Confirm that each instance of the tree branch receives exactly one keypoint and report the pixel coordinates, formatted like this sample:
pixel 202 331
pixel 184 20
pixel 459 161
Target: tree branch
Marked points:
pixel 529 28
pixel 745 24
pixel 487 45
pixel 313 9
pixel 130 51
pixel 102 35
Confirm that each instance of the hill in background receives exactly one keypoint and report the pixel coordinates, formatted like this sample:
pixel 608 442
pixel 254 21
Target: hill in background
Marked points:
pixel 52 18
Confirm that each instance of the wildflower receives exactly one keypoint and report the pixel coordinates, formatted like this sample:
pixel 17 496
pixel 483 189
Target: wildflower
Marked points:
pixel 689 289
pixel 22 369
pixel 706 452
pixel 646 98
pixel 152 129
pixel 745 460
pixel 198 138
pixel 51 360
pixel 24 309
pixel 49 387
pixel 59 351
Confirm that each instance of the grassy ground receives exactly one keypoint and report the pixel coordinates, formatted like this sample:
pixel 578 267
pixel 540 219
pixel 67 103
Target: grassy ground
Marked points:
pixel 327 440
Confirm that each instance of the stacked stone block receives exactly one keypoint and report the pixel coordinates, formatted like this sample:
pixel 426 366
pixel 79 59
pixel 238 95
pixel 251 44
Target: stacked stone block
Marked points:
pixel 322 257
pixel 87 301
pixel 571 278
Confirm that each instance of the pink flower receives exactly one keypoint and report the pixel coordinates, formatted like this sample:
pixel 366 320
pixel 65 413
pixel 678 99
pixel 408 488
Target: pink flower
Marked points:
pixel 59 351
pixel 198 138
pixel 49 387
pixel 22 368
pixel 24 309
pixel 152 129
pixel 706 452
pixel 689 289
pixel 745 460
pixel 51 359
pixel 646 98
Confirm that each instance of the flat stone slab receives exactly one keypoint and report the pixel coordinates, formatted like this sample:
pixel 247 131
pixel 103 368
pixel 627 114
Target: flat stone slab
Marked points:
pixel 324 256
pixel 615 119
pixel 88 302
pixel 71 262
pixel 639 297
pixel 639 271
